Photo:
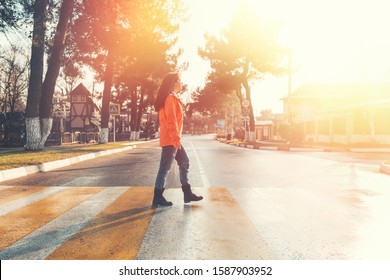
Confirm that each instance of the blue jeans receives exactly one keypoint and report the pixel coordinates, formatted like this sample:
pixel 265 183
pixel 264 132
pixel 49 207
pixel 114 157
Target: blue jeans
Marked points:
pixel 168 154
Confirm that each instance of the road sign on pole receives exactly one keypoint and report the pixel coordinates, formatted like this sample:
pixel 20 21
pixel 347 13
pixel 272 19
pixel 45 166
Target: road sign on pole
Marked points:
pixel 245 112
pixel 115 110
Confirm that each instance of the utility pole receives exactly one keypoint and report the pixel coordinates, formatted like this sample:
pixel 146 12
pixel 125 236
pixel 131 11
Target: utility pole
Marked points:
pixel 289 72
pixel 289 113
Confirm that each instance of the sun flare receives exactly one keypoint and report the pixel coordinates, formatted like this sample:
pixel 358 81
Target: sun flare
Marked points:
pixel 334 41
pixel 331 41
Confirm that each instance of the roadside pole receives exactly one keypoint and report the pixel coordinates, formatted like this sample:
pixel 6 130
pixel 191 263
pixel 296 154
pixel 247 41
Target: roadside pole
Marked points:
pixel 113 126
pixel 245 116
pixel 114 111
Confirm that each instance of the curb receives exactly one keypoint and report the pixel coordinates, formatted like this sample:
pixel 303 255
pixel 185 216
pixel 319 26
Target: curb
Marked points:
pixel 367 150
pixel 18 172
pixel 278 148
pixel 385 168
pixel 307 149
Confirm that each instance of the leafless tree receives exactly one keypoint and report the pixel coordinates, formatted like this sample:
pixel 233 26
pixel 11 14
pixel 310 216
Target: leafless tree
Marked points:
pixel 13 79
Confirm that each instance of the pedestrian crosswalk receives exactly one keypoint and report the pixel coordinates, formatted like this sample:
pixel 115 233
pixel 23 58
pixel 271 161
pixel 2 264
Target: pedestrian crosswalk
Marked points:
pixel 88 223
pixel 118 223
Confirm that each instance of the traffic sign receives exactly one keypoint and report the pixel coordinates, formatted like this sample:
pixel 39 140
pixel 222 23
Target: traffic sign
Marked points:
pixel 115 110
pixel 245 112
pixel 245 103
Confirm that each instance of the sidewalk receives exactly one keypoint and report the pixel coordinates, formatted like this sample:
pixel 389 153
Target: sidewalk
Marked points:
pixel 18 172
pixel 275 146
pixel 269 145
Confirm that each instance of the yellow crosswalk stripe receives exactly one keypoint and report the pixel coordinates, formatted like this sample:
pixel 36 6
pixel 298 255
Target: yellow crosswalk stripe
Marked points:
pixel 13 193
pixel 21 222
pixel 116 233
pixel 225 232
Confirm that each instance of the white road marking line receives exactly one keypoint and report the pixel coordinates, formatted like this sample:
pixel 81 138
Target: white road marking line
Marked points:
pixel 29 199
pixel 42 242
pixel 170 232
pixel 203 175
pixel 84 181
pixel 32 198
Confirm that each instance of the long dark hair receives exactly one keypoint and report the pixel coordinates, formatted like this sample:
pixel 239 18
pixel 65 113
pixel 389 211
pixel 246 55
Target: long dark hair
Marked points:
pixel 165 89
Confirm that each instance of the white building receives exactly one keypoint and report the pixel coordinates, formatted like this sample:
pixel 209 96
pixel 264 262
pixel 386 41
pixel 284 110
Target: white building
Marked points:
pixel 341 113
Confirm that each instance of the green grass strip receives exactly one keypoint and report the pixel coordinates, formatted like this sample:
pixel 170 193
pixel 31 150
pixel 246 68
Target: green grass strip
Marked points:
pixel 25 158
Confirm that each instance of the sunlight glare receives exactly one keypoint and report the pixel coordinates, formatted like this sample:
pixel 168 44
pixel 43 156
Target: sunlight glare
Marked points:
pixel 334 41
pixel 331 41
pixel 205 17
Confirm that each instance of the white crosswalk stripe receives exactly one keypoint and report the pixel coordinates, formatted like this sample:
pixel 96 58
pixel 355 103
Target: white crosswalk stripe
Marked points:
pixel 40 243
pixel 28 200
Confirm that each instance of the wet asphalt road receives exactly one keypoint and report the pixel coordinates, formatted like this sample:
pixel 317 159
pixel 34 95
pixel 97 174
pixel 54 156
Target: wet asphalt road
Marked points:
pixel 304 205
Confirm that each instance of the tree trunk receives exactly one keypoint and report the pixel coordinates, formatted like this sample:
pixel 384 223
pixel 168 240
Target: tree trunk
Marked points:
pixel 134 116
pixel 103 135
pixel 53 69
pixel 106 98
pixel 54 64
pixel 139 114
pixel 239 94
pixel 250 107
pixel 39 101
pixel 33 130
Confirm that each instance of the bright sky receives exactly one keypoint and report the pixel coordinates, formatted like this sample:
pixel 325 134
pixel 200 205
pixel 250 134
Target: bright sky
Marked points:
pixel 331 41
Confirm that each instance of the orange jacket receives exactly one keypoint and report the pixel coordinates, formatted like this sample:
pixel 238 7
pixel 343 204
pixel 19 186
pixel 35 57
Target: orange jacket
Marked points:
pixel 171 121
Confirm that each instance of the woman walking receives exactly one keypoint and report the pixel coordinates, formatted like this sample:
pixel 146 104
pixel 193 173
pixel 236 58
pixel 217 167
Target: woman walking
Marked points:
pixel 170 110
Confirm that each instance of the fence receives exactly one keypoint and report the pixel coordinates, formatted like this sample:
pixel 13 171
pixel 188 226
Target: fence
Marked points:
pixel 58 138
pixel 66 138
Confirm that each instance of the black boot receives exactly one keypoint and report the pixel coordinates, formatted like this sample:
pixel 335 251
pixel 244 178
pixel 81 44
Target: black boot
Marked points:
pixel 188 195
pixel 158 198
